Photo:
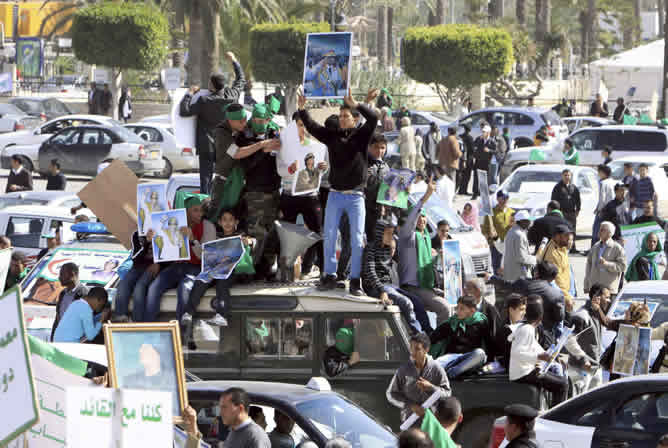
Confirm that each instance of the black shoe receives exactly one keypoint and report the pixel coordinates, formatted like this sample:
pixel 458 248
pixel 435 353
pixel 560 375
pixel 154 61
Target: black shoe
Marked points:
pixel 356 287
pixel 327 282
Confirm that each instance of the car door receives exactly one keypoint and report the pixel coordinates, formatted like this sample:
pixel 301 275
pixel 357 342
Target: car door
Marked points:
pixel 638 422
pixel 95 147
pixel 586 142
pixel 60 146
pixel 473 121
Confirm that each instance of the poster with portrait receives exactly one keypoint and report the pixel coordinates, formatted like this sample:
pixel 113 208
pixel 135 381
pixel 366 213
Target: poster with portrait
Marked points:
pixel 308 172
pixel 619 308
pixel 634 234
pixel 169 244
pixel 626 348
pixel 29 56
pixel 95 265
pixel 220 257
pixel 147 356
pixel 151 198
pixel 452 271
pixel 485 201
pixel 395 186
pixel 304 163
pixel 327 65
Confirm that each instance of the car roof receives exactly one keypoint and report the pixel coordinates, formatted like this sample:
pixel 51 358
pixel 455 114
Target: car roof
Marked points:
pixel 646 159
pixel 535 110
pixel 628 127
pixel 644 286
pixel 587 117
pixel 552 168
pixel 81 117
pixel 292 393
pixel 185 179
pixel 40 210
pixel 97 242
pixel 47 195
pixel 150 124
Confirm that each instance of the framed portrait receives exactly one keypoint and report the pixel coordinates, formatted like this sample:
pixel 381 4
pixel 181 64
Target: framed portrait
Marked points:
pixel 148 356
pixel 169 244
pixel 327 65
pixel 151 198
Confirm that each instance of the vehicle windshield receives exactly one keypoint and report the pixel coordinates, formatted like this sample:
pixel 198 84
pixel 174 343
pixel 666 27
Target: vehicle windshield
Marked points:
pixel 532 181
pixel 437 212
pixel 10 109
pixel 658 301
pixel 551 118
pixel 127 135
pixel 617 168
pixel 97 267
pixel 337 417
pixel 31 107
pixel 11 202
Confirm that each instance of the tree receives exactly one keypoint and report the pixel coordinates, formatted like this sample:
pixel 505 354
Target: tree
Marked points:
pixel 477 55
pixel 120 36
pixel 277 51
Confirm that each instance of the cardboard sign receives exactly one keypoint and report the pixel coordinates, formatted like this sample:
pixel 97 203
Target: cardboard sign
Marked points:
pixel 327 65
pixel 632 351
pixel 108 418
pixel 17 387
pixel 112 196
pixel 395 186
pixel 220 257
pixel 485 200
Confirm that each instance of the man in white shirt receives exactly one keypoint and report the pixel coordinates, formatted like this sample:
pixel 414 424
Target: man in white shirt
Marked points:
pixel 606 193
pixel 517 260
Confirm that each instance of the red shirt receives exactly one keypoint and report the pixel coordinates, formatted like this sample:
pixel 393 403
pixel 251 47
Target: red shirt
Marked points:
pixel 198 231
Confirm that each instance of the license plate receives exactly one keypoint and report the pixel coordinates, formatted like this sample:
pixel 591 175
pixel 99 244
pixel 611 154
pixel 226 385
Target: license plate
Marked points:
pixel 155 154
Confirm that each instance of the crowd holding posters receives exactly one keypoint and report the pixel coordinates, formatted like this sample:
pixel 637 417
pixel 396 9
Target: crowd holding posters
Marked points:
pixel 169 244
pixel 633 236
pixel 394 188
pixel 452 271
pixel 220 257
pixel 327 65
pixel 151 198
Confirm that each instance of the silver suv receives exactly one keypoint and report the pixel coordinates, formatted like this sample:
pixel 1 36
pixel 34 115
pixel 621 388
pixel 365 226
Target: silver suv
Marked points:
pixel 522 122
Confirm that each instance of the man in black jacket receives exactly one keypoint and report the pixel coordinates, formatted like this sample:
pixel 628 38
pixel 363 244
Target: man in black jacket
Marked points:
pixel 519 426
pixel 56 180
pixel 20 179
pixel 485 149
pixel 347 147
pixel 210 112
pixel 617 212
pixel 468 149
pixel 568 197
pixel 376 171
pixel 544 227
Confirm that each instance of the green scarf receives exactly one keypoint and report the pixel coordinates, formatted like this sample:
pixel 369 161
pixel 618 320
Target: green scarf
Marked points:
pixel 558 212
pixel 424 260
pixel 632 272
pixel 456 323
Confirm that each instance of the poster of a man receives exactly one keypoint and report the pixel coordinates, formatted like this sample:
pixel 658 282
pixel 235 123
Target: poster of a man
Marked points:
pixel 151 198
pixel 308 178
pixel 220 257
pixel 452 271
pixel 106 273
pixel 326 65
pixel 394 188
pixel 625 350
pixel 169 242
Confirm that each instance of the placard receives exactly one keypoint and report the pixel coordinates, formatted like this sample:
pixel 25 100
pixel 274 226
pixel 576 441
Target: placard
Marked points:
pixel 109 418
pixel 220 257
pixel 626 346
pixel 554 352
pixel 17 387
pixel 151 198
pixel 452 271
pixel 5 260
pixel 634 234
pixel 294 156
pixel 95 265
pixel 485 200
pixel 169 244
pixel 327 65
pixel 395 187
pixel 181 439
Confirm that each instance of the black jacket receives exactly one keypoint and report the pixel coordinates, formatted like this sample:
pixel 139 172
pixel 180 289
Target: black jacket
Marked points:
pixel 469 147
pixel 142 251
pixel 482 158
pixel 335 362
pixel 376 171
pixel 643 219
pixel 56 182
pixel 494 323
pixel 525 440
pixel 618 114
pixel 23 180
pixel 545 227
pixel 615 212
pixel 462 341
pixel 210 110
pixel 568 197
pixel 347 149
pixel 259 167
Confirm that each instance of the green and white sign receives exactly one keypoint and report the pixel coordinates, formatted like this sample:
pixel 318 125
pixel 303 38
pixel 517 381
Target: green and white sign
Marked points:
pixel 17 387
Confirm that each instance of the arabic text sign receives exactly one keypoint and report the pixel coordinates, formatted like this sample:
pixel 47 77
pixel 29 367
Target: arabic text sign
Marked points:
pixel 17 388
pixel 634 234
pixel 107 418
pixel 5 260
pixel 50 381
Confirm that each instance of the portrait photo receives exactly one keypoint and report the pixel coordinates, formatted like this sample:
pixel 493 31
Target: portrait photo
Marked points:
pixel 625 350
pixel 169 243
pixel 147 356
pixel 308 174
pixel 621 306
pixel 327 65
pixel 452 271
pixel 220 257
pixel 151 198
pixel 394 188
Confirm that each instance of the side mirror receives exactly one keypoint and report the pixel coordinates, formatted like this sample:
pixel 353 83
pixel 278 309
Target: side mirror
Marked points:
pixel 38 131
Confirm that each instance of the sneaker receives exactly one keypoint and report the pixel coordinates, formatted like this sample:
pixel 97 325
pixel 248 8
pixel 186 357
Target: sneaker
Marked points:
pixel 356 287
pixel 186 319
pixel 218 321
pixel 327 282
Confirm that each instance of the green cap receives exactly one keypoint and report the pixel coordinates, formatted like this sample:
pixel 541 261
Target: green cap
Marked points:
pixel 261 111
pixel 193 201
pixel 384 90
pixel 345 340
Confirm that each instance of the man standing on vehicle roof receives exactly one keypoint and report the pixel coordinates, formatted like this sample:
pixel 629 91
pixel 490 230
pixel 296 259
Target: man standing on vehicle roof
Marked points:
pixel 520 421
pixel 210 112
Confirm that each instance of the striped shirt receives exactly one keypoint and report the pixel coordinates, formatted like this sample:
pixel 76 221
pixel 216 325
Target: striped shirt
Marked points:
pixel 642 191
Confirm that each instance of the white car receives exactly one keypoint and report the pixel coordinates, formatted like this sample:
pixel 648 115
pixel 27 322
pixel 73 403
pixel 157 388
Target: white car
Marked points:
pixel 14 119
pixel 181 182
pixel 42 133
pixel 47 198
pixel 530 188
pixel 656 171
pixel 165 119
pixel 575 123
pixel 628 413
pixel 178 157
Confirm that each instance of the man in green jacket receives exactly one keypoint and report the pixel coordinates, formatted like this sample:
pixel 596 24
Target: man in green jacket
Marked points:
pixel 571 155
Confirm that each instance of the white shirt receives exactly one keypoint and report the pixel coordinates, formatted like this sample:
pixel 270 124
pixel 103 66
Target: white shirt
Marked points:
pixel 18 170
pixel 606 193
pixel 524 351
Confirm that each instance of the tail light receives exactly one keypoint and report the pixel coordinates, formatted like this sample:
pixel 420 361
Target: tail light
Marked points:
pixel 497 436
pixel 550 131
pixel 18 126
pixel 187 152
pixel 42 116
pixel 142 152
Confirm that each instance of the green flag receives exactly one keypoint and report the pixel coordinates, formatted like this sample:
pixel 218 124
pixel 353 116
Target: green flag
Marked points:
pixel 47 351
pixel 630 119
pixel 536 155
pixel 645 119
pixel 274 105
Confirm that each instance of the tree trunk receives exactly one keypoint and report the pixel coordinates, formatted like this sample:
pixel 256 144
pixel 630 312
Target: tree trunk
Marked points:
pixel 390 37
pixel 381 37
pixel 211 43
pixel 496 10
pixel 521 12
pixel 543 11
pixel 588 20
pixel 195 39
pixel 116 81
pixel 440 12
pixel 662 13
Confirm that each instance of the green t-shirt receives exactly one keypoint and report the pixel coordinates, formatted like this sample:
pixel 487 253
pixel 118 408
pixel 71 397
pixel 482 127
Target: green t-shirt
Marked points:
pixel 437 433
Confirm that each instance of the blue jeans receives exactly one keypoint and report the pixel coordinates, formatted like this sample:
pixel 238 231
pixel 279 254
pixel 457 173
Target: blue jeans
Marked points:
pixel 134 284
pixel 196 290
pixel 456 364
pixel 353 206
pixel 409 307
pixel 595 229
pixel 171 277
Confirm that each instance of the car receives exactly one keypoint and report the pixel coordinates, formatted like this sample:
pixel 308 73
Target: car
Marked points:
pixel 80 149
pixel 48 198
pixel 14 119
pixel 181 182
pixel 657 166
pixel 530 188
pixel 421 121
pixel 522 122
pixel 47 108
pixel 625 140
pixel 575 123
pixel 177 157
pixel 166 119
pixel 630 412
pixel 42 132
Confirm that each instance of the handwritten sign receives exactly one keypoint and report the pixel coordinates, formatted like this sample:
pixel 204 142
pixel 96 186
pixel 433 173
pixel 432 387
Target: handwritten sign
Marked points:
pixel 107 418
pixel 17 388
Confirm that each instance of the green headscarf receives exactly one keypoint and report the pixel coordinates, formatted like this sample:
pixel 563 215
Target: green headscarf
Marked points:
pixel 632 271
pixel 262 112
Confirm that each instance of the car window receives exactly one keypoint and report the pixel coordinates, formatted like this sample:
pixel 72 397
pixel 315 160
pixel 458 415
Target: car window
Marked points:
pixel 586 140
pixel 373 338
pixel 473 120
pixel 583 182
pixel 646 412
pixel 148 134
pixel 25 231
pixel 105 138
pixel 10 109
pixel 571 125
pixel 279 338
pixel 419 120
pixel 551 118
pixel 55 107
pixel 613 138
pixel 71 203
pixel 642 141
pixel 13 201
pixel 590 124
pixel 524 120
pixel 594 417
pixel 30 107
pixel 90 137
pixel 534 181
pixel 67 137
pixel 498 118
pixel 517 119
pixel 66 234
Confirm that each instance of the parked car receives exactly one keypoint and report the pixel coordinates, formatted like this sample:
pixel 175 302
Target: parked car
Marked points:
pixel 42 132
pixel 530 188
pixel 14 119
pixel 625 141
pixel 631 412
pixel 177 156
pixel 575 123
pixel 522 122
pixel 47 108
pixel 47 198
pixel 657 166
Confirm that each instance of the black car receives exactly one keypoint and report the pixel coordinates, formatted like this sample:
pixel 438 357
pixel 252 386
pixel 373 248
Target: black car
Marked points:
pixel 45 108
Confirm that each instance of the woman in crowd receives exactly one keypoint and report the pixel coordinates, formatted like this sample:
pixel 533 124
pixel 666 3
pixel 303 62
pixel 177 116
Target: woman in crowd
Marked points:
pixel 644 265
pixel 470 215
